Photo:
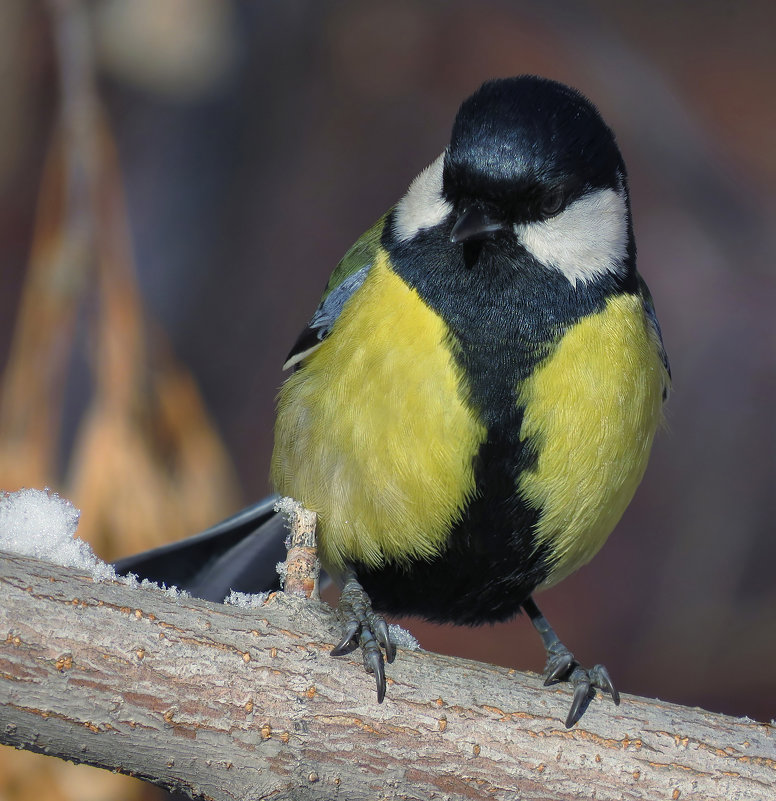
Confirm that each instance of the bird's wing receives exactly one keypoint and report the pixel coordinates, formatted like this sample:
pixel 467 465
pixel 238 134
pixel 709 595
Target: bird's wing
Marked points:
pixel 345 280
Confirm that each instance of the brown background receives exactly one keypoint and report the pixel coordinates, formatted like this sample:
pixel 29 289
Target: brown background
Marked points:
pixel 257 141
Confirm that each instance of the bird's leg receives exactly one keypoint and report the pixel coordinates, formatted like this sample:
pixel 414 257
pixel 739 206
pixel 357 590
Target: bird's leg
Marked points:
pixel 562 666
pixel 365 628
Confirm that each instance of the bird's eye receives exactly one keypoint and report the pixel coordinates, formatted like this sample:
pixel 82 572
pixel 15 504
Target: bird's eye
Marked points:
pixel 552 203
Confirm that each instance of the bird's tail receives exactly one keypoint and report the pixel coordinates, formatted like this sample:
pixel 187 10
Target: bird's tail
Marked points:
pixel 239 553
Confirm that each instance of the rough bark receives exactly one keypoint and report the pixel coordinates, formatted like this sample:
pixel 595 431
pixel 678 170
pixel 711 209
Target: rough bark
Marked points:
pixel 232 703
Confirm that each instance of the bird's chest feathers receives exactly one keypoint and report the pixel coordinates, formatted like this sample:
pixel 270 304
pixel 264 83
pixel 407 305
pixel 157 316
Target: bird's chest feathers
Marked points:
pixel 374 432
pixel 382 429
pixel 591 410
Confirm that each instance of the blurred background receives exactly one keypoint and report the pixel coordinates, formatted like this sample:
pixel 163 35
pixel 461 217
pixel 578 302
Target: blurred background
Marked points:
pixel 179 177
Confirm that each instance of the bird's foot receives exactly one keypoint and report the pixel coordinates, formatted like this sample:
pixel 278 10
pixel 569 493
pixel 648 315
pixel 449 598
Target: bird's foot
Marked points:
pixel 364 628
pixel 562 666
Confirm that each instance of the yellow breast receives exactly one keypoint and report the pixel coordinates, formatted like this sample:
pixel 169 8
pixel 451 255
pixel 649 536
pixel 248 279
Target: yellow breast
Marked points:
pixel 373 433
pixel 592 410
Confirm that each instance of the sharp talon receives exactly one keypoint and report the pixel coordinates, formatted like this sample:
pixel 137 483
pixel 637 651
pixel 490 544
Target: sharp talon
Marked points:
pixel 380 679
pixel 380 629
pixel 390 652
pixel 344 648
pixel 560 669
pixel 601 679
pixel 581 692
pixel 373 662
pixel 348 642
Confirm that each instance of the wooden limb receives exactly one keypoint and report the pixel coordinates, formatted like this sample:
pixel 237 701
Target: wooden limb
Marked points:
pixel 230 703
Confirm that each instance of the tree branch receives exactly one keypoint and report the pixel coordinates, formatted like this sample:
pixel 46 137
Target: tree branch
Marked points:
pixel 231 703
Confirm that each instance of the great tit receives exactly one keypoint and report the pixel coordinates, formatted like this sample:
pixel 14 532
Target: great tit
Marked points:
pixel 474 400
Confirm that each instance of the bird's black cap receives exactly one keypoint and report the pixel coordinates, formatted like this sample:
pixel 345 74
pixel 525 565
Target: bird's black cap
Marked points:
pixel 515 138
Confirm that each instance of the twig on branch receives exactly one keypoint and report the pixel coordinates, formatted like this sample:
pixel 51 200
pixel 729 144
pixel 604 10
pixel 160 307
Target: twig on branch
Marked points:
pixel 302 568
pixel 225 703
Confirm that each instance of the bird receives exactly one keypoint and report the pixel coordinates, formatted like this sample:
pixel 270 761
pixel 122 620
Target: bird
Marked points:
pixel 473 403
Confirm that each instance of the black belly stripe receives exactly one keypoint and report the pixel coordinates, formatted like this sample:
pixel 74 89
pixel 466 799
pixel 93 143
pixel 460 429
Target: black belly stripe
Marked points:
pixel 505 313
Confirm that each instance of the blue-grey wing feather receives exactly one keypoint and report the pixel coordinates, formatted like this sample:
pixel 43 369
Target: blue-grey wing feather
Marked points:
pixel 325 316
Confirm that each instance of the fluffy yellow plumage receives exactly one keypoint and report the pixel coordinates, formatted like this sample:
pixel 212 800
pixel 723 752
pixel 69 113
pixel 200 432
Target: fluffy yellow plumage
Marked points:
pixel 389 484
pixel 592 409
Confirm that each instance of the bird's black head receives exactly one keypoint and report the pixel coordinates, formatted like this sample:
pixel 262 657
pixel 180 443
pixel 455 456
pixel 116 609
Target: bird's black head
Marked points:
pixel 531 168
pixel 528 146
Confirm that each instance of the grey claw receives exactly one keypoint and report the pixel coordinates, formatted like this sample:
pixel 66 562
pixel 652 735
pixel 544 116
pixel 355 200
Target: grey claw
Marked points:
pixel 562 666
pixel 380 629
pixel 581 692
pixel 560 669
pixel 348 642
pixel 373 663
pixel 600 678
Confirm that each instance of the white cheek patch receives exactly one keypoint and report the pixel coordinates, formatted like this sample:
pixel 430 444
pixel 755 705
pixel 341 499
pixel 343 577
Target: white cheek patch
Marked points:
pixel 423 206
pixel 586 240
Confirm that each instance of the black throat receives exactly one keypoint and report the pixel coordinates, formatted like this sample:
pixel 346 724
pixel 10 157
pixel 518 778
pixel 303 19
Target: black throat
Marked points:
pixel 504 310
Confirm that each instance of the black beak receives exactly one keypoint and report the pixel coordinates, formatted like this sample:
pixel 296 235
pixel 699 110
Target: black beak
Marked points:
pixel 475 223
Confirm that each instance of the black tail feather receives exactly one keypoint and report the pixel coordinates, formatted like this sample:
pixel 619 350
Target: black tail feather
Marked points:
pixel 239 553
